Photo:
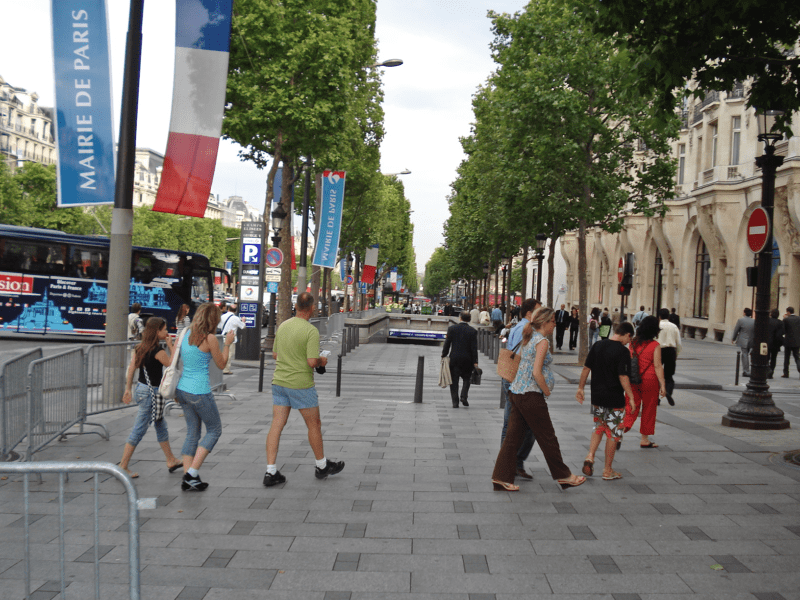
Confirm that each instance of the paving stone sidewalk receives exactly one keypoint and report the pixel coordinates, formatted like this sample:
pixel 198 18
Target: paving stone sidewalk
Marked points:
pixel 712 513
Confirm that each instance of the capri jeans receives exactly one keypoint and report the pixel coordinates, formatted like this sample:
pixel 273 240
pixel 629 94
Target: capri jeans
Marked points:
pixel 197 409
pixel 145 402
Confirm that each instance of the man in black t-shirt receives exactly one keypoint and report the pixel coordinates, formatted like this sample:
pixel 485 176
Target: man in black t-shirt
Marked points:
pixel 609 362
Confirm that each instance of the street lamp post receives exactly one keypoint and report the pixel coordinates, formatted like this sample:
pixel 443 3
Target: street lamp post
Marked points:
pixel 756 409
pixel 503 305
pixel 541 242
pixel 485 278
pixel 278 216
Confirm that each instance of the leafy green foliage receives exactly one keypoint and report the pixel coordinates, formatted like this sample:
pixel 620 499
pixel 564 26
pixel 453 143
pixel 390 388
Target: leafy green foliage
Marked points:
pixel 717 42
pixel 437 273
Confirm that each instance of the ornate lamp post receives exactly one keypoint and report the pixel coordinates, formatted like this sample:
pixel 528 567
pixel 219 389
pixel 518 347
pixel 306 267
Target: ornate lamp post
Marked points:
pixel 756 409
pixel 541 242
pixel 503 305
pixel 278 216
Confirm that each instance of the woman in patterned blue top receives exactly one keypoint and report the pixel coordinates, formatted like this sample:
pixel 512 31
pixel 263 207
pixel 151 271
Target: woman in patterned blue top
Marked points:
pixel 528 396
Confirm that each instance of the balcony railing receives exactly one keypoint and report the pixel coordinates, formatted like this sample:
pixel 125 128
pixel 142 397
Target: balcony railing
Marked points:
pixel 697 116
pixel 711 98
pixel 737 92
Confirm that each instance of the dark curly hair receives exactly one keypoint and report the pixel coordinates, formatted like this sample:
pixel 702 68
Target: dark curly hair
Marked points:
pixel 648 329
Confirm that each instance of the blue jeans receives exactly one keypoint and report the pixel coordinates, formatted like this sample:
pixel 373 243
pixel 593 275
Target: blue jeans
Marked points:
pixel 528 440
pixel 199 408
pixel 594 335
pixel 143 398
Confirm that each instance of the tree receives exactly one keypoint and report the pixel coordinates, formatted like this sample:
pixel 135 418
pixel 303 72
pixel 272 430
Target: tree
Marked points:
pixel 437 273
pixel 717 43
pixel 589 146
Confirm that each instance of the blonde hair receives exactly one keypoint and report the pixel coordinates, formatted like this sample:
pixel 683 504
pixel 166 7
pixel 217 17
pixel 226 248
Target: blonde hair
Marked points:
pixel 540 316
pixel 205 321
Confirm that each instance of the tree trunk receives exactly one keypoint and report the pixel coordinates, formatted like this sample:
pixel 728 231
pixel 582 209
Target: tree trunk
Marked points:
pixel 551 270
pixel 583 305
pixel 285 287
pixel 524 273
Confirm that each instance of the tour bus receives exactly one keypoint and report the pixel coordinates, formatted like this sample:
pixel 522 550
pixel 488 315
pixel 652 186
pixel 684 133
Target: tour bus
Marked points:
pixel 56 283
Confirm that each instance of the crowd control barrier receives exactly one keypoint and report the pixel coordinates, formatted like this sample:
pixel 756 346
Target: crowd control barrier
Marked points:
pixel 14 400
pixel 52 552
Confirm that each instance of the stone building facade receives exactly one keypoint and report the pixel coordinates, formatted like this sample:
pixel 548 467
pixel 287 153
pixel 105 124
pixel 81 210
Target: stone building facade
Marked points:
pixel 26 129
pixel 694 258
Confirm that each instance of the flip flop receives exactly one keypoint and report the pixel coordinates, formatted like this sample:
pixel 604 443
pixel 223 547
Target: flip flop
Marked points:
pixel 174 468
pixel 614 475
pixel 650 445
pixel 132 475
pixel 588 468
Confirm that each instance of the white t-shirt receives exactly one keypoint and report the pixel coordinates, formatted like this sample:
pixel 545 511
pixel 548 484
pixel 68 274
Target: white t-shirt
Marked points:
pixel 230 322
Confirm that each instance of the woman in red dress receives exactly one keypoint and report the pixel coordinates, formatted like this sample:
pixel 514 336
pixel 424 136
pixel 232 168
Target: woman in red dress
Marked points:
pixel 646 393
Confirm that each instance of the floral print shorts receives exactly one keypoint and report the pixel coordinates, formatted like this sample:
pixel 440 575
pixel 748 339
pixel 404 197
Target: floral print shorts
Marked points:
pixel 608 421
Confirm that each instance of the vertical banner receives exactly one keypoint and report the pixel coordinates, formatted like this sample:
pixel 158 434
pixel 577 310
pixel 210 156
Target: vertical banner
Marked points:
pixel 331 219
pixel 370 262
pixel 393 279
pixel 342 269
pixel 399 283
pixel 202 41
pixel 84 118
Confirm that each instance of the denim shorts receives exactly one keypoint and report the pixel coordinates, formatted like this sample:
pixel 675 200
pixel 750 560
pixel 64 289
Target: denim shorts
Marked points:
pixel 283 396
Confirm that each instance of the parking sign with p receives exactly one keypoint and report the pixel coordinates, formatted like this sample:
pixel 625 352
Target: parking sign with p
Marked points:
pixel 251 254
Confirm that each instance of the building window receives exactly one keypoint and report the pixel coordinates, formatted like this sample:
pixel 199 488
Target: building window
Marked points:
pixel 702 281
pixel 681 163
pixel 699 166
pixel 736 136
pixel 714 132
pixel 657 281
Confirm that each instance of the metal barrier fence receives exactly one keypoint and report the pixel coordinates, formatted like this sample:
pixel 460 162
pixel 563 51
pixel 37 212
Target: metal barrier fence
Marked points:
pixel 14 399
pixel 106 366
pixel 63 469
pixel 56 398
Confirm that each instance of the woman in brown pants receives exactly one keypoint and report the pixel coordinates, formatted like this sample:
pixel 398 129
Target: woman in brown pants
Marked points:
pixel 528 397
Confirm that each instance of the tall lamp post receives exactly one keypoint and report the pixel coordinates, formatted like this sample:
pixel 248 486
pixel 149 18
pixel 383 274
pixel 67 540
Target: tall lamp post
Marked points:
pixel 278 216
pixel 485 278
pixel 504 306
pixel 541 242
pixel 756 409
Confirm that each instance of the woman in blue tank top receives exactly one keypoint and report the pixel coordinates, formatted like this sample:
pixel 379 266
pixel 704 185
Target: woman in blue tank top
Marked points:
pixel 199 347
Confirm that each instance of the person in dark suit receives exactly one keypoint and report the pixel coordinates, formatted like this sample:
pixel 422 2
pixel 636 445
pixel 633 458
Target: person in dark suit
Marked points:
pixel 675 319
pixel 562 322
pixel 461 344
pixel 743 334
pixel 775 340
pixel 791 339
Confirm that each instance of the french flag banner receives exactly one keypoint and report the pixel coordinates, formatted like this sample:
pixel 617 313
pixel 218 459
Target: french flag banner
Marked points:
pixel 370 262
pixel 202 43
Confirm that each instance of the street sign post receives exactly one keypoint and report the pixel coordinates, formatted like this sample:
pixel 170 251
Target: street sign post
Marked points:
pixel 251 289
pixel 758 230
pixel 274 257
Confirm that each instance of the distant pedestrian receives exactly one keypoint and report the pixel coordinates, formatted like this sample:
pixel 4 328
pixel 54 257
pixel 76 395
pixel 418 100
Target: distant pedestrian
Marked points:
pixel 646 394
pixel 475 316
pixel 485 319
pixel 529 392
pixel 674 319
pixel 594 326
pixel 461 344
pixel 775 340
pixel 606 325
pixel 529 306
pixel 637 318
pixel 669 337
pixel 791 339
pixel 609 363
pixel 497 319
pixel 296 354
pixel 562 322
pixel 135 322
pixel 182 320
pixel 230 322
pixel 574 328
pixel 743 333
pixel 199 347
pixel 149 358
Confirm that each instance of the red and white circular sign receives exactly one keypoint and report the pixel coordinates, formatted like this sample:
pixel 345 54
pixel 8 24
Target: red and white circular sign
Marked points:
pixel 758 229
pixel 620 271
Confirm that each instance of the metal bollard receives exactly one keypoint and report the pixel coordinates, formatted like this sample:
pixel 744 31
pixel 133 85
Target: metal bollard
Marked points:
pixel 420 374
pixel 339 376
pixel 496 349
pixel 261 373
pixel 736 380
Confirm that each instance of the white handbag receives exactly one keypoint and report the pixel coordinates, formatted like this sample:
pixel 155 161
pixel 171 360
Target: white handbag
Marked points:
pixel 172 374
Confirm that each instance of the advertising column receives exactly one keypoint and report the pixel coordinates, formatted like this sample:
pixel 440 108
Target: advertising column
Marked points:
pixel 251 289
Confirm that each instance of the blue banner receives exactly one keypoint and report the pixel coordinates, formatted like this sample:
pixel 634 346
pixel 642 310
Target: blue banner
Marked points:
pixel 330 220
pixel 84 126
pixel 342 269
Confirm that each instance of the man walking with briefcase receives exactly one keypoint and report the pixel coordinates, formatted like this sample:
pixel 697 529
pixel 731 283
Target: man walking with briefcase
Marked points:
pixel 461 344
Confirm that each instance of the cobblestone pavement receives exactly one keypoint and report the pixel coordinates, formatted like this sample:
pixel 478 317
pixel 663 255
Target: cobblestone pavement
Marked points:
pixel 712 513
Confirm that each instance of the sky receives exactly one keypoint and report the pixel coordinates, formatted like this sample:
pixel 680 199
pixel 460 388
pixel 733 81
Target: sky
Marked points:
pixel 444 45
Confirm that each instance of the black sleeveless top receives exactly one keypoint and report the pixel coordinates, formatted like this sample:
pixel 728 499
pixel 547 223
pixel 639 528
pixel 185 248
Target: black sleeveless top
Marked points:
pixel 153 366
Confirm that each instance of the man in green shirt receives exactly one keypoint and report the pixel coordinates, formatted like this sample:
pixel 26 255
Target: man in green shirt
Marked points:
pixel 296 352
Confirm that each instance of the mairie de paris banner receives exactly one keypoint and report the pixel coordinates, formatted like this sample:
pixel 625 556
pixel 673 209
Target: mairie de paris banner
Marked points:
pixel 83 121
pixel 330 224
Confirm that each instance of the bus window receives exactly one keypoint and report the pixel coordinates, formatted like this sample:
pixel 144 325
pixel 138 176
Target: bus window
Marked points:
pixel 34 257
pixel 200 290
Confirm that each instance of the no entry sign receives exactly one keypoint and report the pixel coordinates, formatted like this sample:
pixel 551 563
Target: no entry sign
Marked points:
pixel 758 229
pixel 620 271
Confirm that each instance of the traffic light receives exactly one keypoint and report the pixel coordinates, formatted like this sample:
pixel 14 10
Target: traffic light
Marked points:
pixel 625 286
pixel 752 276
